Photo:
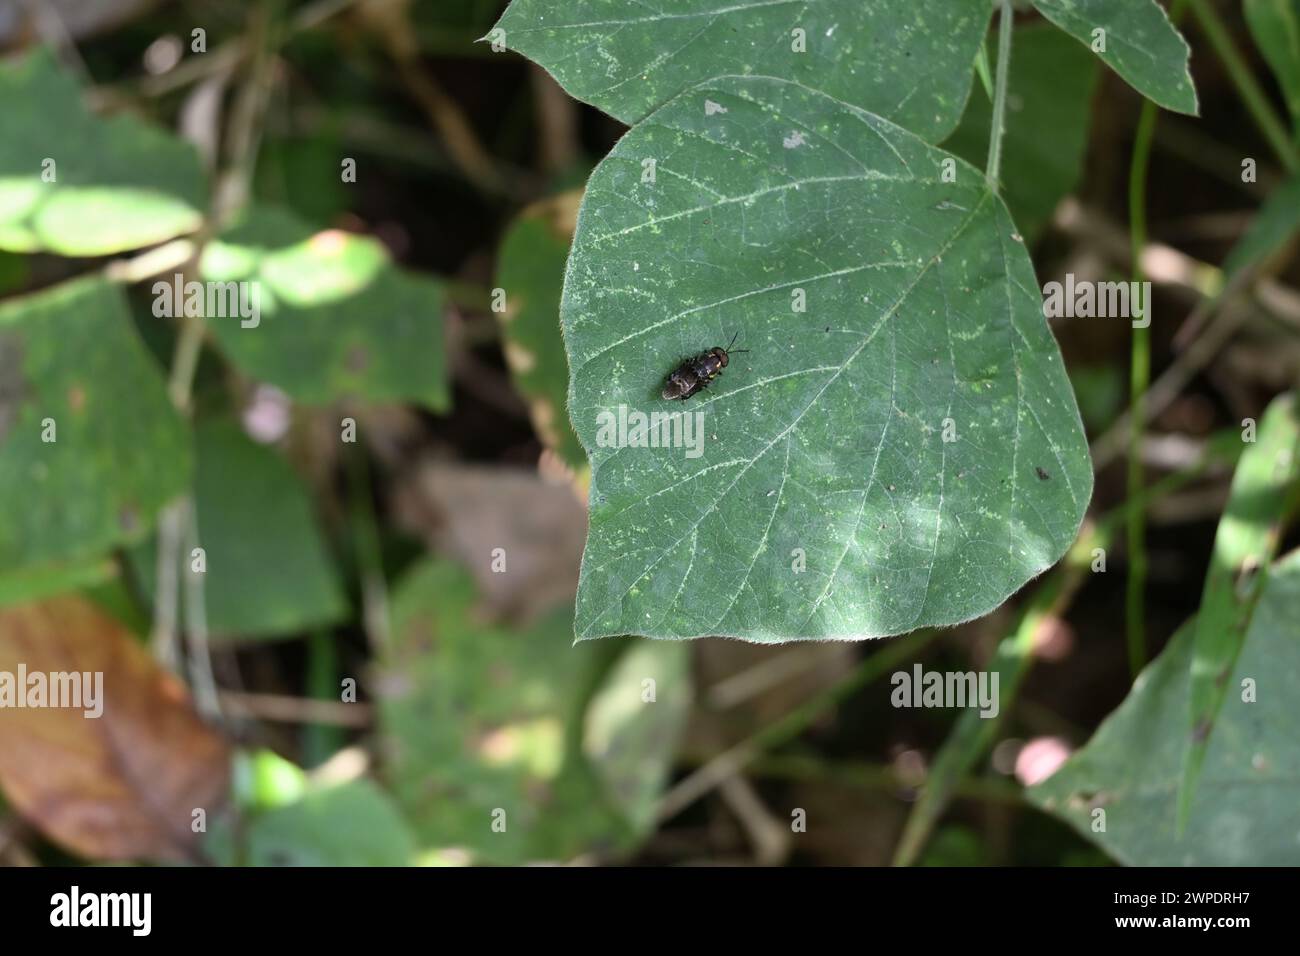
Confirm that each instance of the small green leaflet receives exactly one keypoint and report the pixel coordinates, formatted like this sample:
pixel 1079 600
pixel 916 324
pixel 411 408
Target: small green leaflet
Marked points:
pixel 1136 40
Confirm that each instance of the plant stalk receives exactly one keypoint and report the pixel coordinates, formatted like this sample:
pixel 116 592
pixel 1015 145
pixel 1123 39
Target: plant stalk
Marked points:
pixel 1139 381
pixel 994 165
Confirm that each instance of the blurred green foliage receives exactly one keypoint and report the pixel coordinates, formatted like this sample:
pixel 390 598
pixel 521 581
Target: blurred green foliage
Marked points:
pixel 78 185
pixel 495 740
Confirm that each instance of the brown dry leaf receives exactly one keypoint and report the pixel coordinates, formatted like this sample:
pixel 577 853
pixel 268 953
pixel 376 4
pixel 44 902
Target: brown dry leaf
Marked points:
pixel 467 512
pixel 120 786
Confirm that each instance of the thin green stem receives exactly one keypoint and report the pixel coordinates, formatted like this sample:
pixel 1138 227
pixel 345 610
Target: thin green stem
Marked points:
pixel 320 741
pixel 1252 95
pixel 1139 381
pixel 229 192
pixel 369 552
pixel 999 97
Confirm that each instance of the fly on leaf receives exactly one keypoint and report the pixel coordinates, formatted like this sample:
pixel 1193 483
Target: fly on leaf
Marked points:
pixel 696 373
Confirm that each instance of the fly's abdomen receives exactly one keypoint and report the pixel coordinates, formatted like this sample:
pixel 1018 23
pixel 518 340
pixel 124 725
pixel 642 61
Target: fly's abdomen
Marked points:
pixel 696 373
pixel 683 382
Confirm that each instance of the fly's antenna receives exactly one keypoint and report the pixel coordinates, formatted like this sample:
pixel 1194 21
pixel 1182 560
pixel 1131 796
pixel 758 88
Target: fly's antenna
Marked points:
pixel 728 349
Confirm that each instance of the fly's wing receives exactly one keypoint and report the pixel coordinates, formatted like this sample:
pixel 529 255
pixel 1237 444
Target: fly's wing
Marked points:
pixel 679 384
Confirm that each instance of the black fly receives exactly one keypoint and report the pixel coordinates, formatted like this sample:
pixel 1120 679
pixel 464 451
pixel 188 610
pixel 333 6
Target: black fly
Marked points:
pixel 696 373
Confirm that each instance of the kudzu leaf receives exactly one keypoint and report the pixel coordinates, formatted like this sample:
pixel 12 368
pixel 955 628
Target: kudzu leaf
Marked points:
pixel 884 309
pixel 1121 789
pixel 1136 40
pixel 78 185
pixel 1049 103
pixel 337 318
pixel 73 369
pixel 910 62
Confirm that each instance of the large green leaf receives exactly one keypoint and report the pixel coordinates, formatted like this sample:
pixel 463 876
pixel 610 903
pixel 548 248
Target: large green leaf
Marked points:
pixel 1140 44
pixel 478 718
pixel 267 570
pixel 1275 25
pixel 910 62
pixel 117 183
pixel 1049 100
pixel 337 318
pixel 825 443
pixel 1247 808
pixel 530 268
pixel 1265 489
pixel 71 355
